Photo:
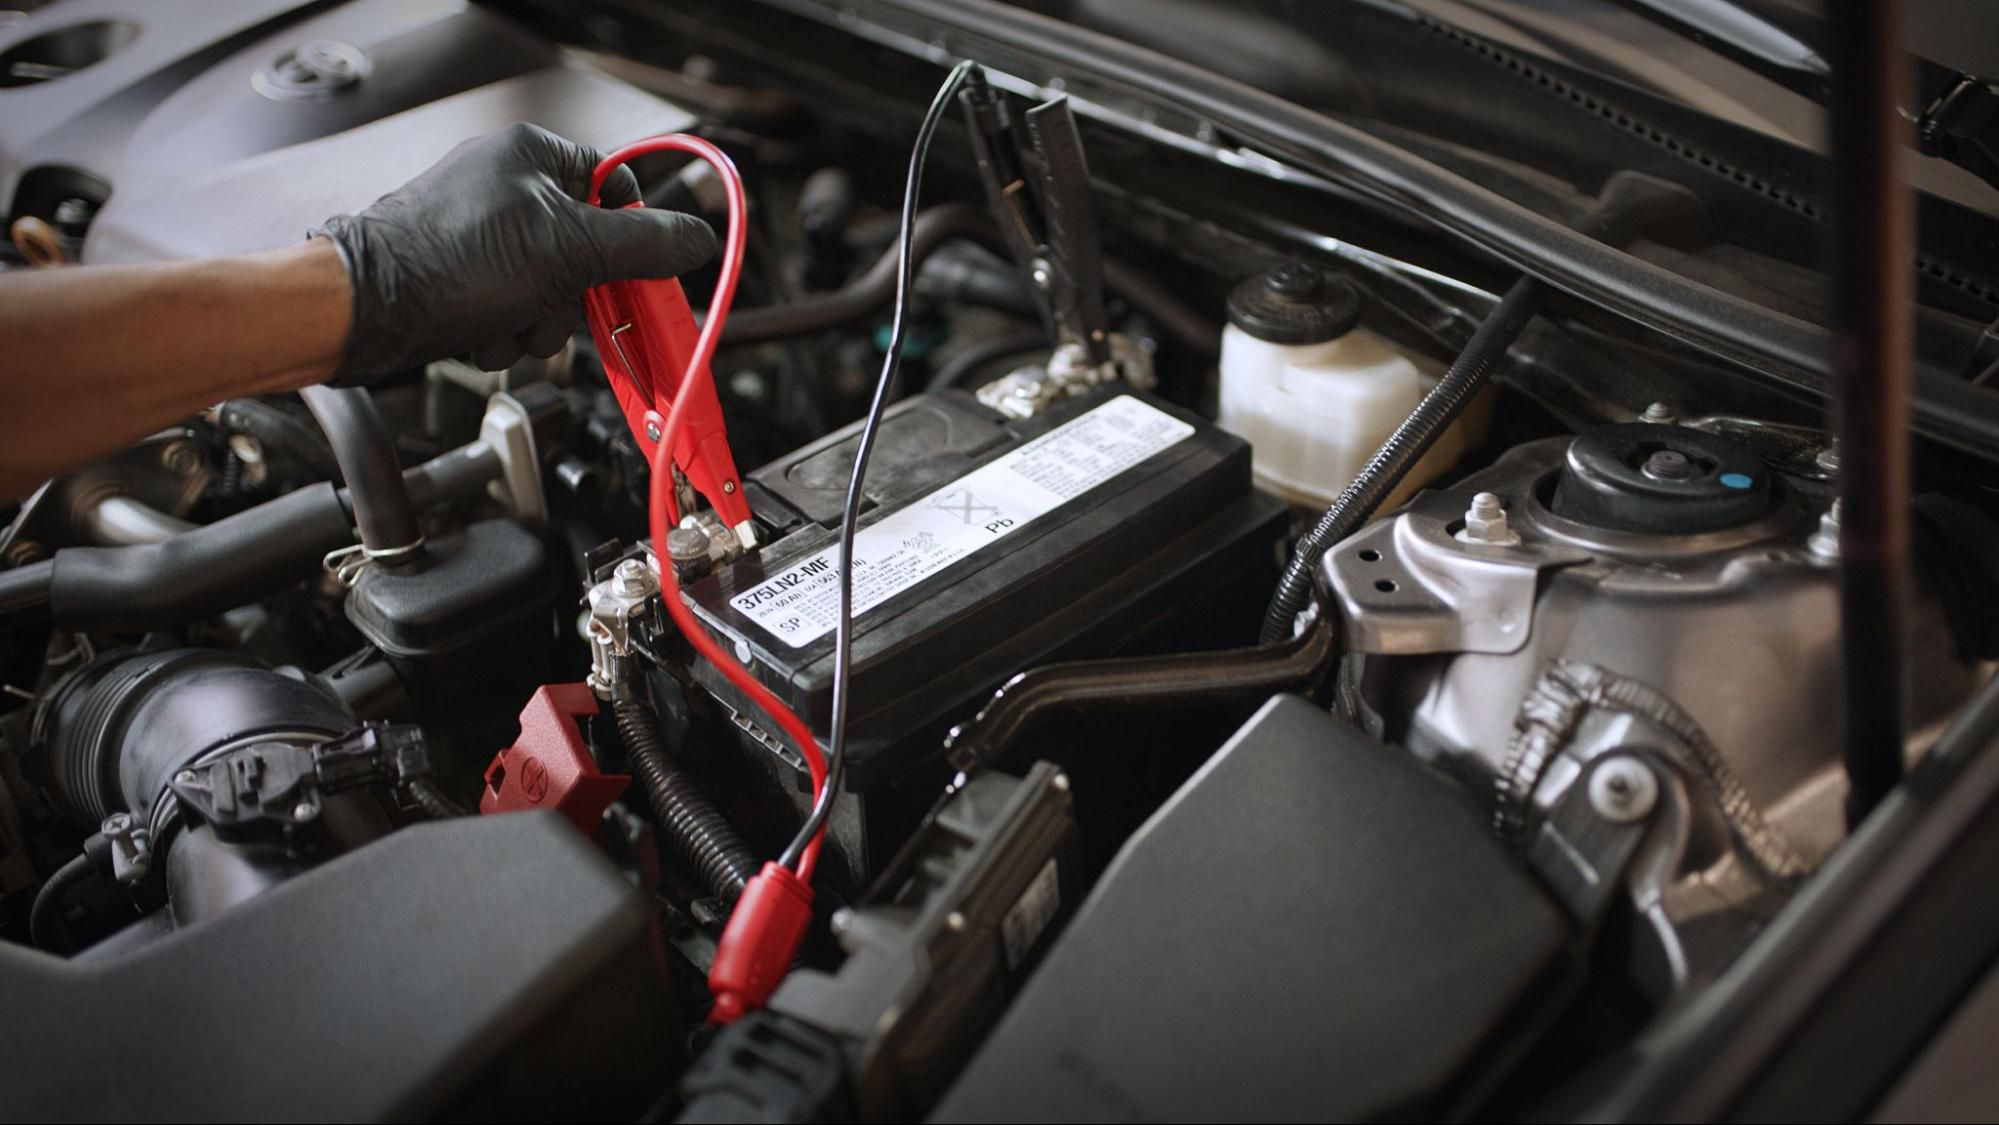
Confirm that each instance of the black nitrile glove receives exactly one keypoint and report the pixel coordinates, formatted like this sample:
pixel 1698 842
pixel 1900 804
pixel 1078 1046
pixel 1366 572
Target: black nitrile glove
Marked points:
pixel 489 252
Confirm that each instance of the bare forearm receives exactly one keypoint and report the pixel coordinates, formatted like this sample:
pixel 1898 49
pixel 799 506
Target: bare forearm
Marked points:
pixel 97 357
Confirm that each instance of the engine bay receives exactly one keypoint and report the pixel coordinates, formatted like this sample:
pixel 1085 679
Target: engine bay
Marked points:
pixel 1280 660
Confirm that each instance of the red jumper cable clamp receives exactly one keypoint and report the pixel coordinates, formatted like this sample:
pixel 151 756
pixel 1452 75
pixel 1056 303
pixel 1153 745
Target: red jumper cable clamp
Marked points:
pixel 645 333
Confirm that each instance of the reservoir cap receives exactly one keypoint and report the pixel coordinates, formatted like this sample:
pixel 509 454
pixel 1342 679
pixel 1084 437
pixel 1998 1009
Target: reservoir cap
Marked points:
pixel 1295 303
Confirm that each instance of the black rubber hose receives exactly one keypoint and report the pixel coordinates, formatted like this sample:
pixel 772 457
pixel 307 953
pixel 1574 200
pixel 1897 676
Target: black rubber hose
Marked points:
pixel 693 825
pixel 936 226
pixel 44 921
pixel 970 359
pixel 218 566
pixel 452 476
pixel 1180 681
pixel 1392 462
pixel 367 455
pixel 198 573
pixel 24 594
pixel 871 291
pixel 1179 320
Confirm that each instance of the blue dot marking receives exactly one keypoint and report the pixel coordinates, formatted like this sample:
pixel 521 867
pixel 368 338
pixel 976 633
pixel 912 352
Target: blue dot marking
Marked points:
pixel 1737 481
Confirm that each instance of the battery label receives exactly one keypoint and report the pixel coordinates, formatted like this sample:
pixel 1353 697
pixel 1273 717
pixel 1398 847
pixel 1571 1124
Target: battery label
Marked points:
pixel 971 513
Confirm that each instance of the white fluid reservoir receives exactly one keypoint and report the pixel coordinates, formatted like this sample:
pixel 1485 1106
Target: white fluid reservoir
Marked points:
pixel 1314 393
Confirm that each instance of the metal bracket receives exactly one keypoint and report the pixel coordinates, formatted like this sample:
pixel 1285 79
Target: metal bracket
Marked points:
pixel 1581 851
pixel 1406 585
pixel 509 431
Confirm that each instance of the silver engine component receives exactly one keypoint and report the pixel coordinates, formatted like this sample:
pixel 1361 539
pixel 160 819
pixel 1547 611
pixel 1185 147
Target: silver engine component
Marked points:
pixel 1655 712
pixel 616 606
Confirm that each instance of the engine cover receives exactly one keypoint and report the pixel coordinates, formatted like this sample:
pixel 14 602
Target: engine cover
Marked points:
pixel 230 127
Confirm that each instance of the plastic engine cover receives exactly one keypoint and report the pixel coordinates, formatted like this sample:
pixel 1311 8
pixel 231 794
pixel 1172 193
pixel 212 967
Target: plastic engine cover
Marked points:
pixel 1315 928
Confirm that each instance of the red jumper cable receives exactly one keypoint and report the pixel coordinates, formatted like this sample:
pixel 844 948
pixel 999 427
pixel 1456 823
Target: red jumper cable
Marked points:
pixel 659 367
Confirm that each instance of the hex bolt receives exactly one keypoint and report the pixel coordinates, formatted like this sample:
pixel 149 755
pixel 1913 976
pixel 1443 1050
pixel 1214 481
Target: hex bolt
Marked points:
pixel 116 824
pixel 184 777
pixel 1659 413
pixel 1623 789
pixel 305 810
pixel 1668 464
pixel 1485 523
pixel 633 579
pixel 652 430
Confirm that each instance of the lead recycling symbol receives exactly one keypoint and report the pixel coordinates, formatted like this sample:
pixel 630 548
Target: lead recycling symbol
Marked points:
pixel 967 507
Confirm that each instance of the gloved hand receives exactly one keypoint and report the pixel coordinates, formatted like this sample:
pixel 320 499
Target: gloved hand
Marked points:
pixel 489 252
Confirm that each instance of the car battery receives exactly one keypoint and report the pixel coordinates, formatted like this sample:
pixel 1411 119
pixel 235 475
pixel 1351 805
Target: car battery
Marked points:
pixel 1113 522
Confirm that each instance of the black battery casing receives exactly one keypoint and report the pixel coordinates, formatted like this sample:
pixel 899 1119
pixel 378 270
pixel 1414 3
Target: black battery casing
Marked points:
pixel 1158 555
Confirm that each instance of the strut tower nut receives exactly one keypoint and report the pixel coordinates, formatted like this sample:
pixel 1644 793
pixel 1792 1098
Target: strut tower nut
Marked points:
pixel 1485 523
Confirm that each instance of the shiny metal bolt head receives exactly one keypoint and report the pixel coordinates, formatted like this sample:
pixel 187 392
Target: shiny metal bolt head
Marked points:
pixel 184 777
pixel 652 430
pixel 633 578
pixel 305 810
pixel 955 922
pixel 687 544
pixel 1623 789
pixel 1659 413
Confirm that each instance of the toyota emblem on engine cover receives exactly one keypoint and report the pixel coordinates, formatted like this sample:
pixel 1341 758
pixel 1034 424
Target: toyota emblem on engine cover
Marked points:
pixel 312 71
